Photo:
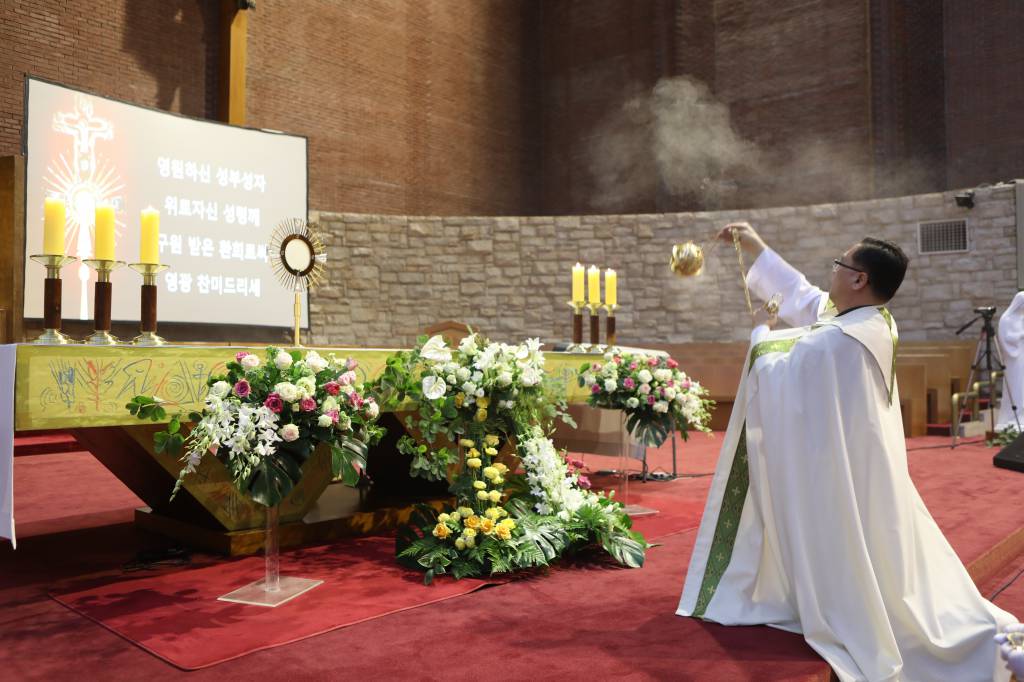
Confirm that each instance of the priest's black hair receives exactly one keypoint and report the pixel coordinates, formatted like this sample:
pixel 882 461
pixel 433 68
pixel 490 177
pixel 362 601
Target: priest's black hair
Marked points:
pixel 884 263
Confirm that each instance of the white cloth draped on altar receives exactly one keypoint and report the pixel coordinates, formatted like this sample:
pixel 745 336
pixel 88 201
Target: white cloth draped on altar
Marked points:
pixel 8 360
pixel 813 524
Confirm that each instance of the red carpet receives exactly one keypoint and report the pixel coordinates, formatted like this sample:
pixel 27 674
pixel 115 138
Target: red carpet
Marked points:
pixel 177 617
pixel 618 622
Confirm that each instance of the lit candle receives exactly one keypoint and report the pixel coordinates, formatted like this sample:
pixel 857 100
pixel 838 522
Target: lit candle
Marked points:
pixel 53 227
pixel 149 249
pixel 594 285
pixel 577 283
pixel 103 244
pixel 611 292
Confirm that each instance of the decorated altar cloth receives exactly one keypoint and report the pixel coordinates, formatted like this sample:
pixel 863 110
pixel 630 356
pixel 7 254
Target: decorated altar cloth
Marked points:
pixel 78 386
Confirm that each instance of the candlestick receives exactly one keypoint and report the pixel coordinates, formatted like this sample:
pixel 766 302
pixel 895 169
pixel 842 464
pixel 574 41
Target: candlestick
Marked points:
pixel 595 324
pixel 102 295
pixel 611 288
pixel 577 322
pixel 593 286
pixel 577 284
pixel 103 233
pixel 54 226
pixel 148 335
pixel 610 324
pixel 149 246
pixel 51 298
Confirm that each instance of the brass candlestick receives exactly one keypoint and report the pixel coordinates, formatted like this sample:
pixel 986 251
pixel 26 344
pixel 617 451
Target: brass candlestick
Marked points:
pixel 51 300
pixel 577 321
pixel 103 294
pixel 149 271
pixel 595 324
pixel 610 324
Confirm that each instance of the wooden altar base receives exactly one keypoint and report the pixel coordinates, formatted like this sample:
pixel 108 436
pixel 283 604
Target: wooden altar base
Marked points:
pixel 379 521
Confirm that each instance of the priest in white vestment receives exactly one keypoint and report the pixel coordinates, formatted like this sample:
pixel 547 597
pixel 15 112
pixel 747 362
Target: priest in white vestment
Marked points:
pixel 812 523
pixel 1011 345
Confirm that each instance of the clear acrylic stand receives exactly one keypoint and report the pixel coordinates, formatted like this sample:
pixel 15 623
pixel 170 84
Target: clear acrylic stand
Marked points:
pixel 627 447
pixel 272 590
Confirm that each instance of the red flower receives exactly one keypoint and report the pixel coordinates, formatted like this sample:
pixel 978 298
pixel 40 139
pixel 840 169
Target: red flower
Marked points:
pixel 307 404
pixel 595 389
pixel 274 403
pixel 332 387
pixel 241 354
pixel 242 389
pixel 653 362
pixel 672 364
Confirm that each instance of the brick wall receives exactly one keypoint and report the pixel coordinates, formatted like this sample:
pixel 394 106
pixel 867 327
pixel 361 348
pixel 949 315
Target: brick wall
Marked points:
pixel 159 53
pixel 423 106
pixel 392 276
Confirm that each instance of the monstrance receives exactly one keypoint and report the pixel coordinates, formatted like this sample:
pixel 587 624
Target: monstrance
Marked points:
pixel 299 259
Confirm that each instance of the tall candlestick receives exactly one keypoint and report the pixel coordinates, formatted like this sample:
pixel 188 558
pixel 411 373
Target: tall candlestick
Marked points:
pixel 611 291
pixel 103 243
pixel 577 283
pixel 54 224
pixel 149 249
pixel 594 285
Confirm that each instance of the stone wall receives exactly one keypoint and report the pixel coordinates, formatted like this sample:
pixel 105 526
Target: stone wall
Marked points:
pixel 392 276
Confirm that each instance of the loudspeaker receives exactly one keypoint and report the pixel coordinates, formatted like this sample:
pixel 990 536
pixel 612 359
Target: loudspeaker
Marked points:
pixel 1012 456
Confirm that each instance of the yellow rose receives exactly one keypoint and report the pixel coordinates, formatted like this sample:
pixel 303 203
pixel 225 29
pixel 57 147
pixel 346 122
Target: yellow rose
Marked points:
pixel 482 495
pixel 493 513
pixel 481 414
pixel 498 480
pixel 472 452
pixel 479 485
pixel 504 513
pixel 490 472
pixel 491 451
pixel 459 399
pixel 470 543
pixel 508 523
pixel 500 467
pixel 469 533
pixel 460 543
pixel 491 440
pixel 494 496
pixel 483 402
pixel 465 512
pixel 503 532
pixel 474 463
pixel 441 531
pixel 472 521
pixel 486 526
pixel 466 443
pixel 443 518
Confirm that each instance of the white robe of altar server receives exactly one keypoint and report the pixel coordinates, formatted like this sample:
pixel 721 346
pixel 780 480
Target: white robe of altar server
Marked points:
pixel 815 526
pixel 1011 344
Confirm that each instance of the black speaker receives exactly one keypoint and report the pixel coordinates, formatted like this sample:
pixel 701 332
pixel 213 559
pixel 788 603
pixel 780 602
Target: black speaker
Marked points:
pixel 1012 456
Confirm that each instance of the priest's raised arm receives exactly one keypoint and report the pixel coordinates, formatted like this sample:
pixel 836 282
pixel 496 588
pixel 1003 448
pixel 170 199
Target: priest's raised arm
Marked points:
pixel 802 302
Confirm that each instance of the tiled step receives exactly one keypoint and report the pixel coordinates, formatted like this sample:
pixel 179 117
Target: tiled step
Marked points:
pixel 44 443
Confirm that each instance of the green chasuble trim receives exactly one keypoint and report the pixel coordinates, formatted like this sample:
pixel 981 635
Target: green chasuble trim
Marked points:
pixel 766 347
pixel 728 524
pixel 887 316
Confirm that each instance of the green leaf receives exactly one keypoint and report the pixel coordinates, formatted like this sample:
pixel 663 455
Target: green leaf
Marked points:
pixel 174 425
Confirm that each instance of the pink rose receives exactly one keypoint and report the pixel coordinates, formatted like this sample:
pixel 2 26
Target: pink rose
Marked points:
pixel 307 404
pixel 242 388
pixel 672 364
pixel 629 383
pixel 334 415
pixel 351 364
pixel 583 482
pixel 595 366
pixel 241 354
pixel 653 362
pixel 274 403
pixel 617 359
pixel 670 382
pixel 632 365
pixel 650 400
pixel 595 389
pixel 332 387
pixel 686 385
pixel 356 400
pixel 347 378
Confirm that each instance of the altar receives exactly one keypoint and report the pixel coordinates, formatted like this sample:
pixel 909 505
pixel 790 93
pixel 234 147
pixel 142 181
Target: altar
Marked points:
pixel 84 390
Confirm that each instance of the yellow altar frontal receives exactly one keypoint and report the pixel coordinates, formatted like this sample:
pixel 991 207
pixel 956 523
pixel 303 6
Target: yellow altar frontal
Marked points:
pixel 85 389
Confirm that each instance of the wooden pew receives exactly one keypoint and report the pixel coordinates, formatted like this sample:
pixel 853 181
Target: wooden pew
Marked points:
pixel 912 383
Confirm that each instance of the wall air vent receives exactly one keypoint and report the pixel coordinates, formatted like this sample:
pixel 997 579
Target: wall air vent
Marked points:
pixel 946 236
